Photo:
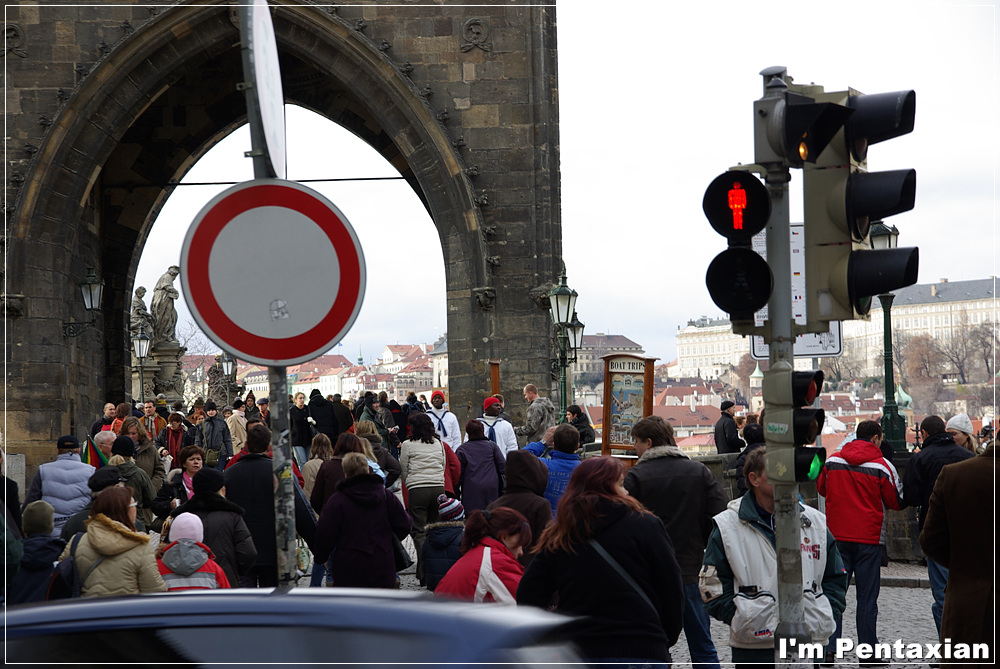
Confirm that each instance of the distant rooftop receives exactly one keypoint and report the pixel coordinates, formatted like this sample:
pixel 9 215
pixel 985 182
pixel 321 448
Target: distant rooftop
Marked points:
pixel 943 291
pixel 601 340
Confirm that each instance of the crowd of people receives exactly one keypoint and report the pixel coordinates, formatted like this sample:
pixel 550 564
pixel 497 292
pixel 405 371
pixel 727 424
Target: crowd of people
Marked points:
pixel 155 502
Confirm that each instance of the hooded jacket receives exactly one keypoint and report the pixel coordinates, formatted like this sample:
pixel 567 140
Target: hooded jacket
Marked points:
pixel 527 477
pixel 129 565
pixel 441 550
pixel 357 525
pixel 560 466
pixel 225 532
pixel 189 565
pixel 40 552
pixel 856 482
pixel 541 415
pixel 684 495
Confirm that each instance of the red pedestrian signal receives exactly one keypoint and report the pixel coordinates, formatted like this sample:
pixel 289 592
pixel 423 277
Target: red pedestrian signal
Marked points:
pixel 737 202
pixel 737 205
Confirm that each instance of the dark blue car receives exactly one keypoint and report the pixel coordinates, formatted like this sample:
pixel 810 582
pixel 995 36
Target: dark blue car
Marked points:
pixel 302 627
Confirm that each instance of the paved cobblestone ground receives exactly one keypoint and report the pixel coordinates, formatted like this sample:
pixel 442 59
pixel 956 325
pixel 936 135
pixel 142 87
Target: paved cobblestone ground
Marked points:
pixel 904 613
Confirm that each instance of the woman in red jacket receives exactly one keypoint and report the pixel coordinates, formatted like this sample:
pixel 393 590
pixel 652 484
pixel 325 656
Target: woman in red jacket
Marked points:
pixel 488 570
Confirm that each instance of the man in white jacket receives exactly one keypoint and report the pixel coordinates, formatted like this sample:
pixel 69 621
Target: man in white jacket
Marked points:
pixel 445 422
pixel 497 429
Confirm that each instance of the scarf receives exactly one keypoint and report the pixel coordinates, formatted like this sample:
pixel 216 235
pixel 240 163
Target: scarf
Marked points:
pixel 188 484
pixel 174 440
pixel 440 420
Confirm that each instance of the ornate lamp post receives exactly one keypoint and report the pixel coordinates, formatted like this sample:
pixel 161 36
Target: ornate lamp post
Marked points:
pixel 569 333
pixel 92 289
pixel 140 347
pixel 893 425
pixel 227 370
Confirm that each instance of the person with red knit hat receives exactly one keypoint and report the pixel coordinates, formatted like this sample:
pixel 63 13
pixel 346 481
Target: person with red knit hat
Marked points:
pixel 496 428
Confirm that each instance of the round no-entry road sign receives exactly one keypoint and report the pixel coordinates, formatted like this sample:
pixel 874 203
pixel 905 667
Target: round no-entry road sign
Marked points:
pixel 273 272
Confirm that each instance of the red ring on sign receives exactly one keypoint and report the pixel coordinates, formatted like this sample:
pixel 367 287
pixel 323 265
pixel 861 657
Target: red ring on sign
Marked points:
pixel 200 250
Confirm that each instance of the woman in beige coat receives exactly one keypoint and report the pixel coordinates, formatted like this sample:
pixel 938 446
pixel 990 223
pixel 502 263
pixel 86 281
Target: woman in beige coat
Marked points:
pixel 128 562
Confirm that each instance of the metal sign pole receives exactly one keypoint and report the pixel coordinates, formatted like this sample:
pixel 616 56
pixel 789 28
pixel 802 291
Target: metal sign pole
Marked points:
pixel 281 449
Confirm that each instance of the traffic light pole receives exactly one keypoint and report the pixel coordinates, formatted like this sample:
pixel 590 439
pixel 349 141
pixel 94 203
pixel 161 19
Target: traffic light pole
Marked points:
pixel 791 632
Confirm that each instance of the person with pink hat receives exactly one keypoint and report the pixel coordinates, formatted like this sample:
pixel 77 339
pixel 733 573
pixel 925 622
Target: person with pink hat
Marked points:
pixel 186 563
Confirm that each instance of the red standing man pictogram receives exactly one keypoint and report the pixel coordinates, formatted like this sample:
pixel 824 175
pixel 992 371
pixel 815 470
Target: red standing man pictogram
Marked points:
pixel 737 202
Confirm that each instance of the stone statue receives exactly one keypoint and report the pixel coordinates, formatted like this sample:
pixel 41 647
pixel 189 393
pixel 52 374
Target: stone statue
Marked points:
pixel 164 313
pixel 140 315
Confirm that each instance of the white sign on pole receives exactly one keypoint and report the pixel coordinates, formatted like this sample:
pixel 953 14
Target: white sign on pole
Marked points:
pixel 828 344
pixel 266 96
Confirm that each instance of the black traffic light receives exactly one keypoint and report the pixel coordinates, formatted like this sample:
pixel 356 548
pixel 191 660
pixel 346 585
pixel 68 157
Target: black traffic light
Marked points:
pixel 790 423
pixel 842 199
pixel 739 280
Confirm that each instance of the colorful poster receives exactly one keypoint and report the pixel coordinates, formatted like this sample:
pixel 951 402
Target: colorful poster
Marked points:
pixel 627 399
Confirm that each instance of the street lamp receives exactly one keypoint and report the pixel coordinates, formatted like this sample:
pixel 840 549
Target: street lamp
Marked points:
pixel 92 289
pixel 569 332
pixel 227 369
pixel 893 425
pixel 140 346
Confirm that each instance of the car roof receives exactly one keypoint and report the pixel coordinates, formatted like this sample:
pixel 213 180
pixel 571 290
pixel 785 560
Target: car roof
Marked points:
pixel 470 628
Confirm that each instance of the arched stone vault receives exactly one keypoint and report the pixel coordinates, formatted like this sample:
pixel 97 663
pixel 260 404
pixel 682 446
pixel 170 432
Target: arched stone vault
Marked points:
pixel 470 121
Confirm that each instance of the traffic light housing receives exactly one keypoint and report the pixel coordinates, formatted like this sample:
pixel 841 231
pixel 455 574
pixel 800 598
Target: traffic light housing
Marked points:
pixel 739 280
pixel 842 199
pixel 790 423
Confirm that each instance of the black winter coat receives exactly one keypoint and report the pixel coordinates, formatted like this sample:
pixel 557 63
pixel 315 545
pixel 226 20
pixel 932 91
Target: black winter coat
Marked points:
pixel 923 468
pixel 40 552
pixel 301 432
pixel 225 532
pixel 685 495
pixel 616 620
pixel 727 435
pixel 582 426
pixel 172 488
pixel 345 419
pixel 322 411
pixel 250 484
pixel 357 526
pixel 440 550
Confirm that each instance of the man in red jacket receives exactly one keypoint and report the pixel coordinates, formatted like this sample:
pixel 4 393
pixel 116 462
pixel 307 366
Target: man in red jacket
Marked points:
pixel 857 481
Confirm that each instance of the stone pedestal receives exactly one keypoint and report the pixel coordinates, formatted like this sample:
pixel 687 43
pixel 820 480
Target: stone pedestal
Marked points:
pixel 161 372
pixel 169 378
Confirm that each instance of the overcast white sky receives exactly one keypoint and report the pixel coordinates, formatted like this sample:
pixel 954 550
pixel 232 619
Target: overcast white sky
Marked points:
pixel 654 103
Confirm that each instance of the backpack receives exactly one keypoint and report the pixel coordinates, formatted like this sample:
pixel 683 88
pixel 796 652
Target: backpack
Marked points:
pixel 65 581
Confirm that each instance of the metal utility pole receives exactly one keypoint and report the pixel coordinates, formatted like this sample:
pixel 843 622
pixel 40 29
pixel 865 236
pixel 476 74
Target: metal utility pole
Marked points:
pixel 254 52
